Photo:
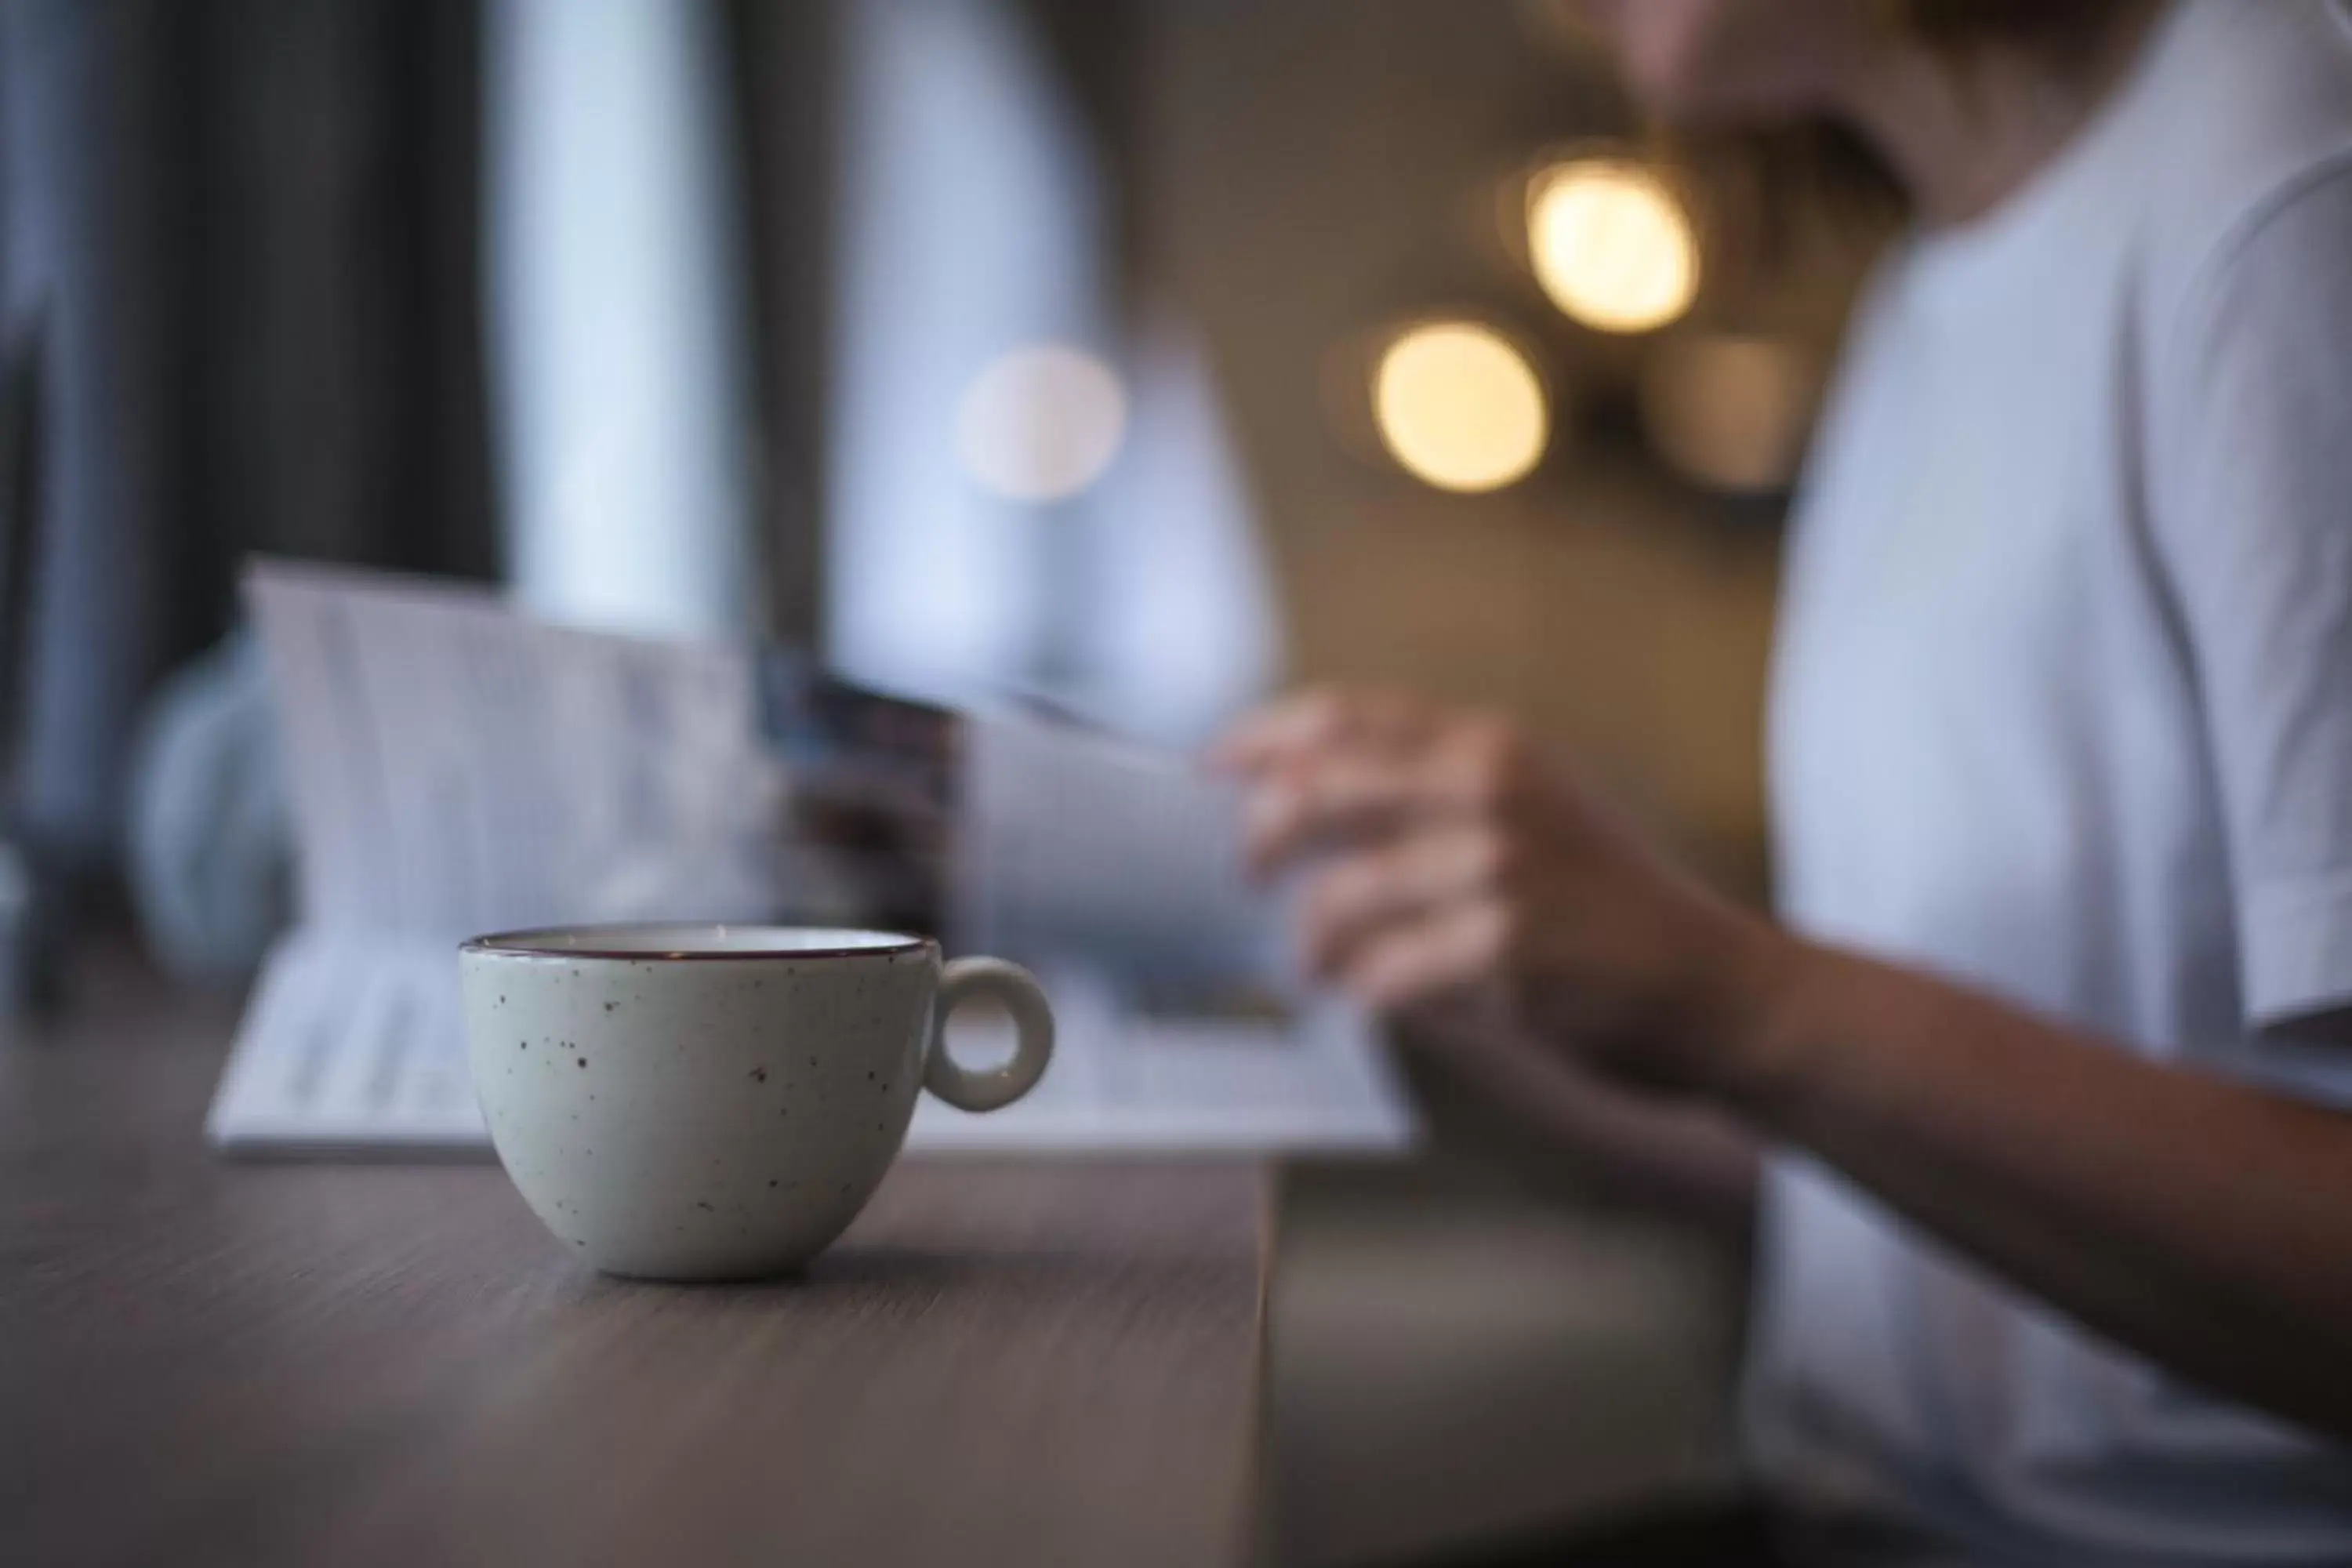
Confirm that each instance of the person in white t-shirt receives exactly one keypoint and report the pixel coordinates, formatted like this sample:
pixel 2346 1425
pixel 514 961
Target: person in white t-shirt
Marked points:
pixel 2049 1053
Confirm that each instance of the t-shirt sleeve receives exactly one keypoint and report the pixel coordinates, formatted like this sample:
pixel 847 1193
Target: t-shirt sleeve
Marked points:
pixel 2253 515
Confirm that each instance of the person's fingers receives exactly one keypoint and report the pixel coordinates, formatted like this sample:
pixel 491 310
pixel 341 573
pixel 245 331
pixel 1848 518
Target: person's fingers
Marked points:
pixel 1277 730
pixel 1349 905
pixel 1319 721
pixel 1479 773
pixel 1332 805
pixel 1423 964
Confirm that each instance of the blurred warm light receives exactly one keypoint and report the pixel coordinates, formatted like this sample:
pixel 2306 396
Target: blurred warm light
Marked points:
pixel 1041 423
pixel 1459 407
pixel 1612 244
pixel 1731 412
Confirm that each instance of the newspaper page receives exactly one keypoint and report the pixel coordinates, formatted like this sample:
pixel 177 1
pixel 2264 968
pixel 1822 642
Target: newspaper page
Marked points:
pixel 455 768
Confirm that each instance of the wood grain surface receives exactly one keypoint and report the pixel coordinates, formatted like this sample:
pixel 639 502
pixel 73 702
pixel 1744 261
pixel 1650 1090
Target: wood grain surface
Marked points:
pixel 200 1362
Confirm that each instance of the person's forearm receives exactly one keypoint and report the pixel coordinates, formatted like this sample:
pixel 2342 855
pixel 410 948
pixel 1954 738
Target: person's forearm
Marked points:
pixel 1678 1155
pixel 2202 1223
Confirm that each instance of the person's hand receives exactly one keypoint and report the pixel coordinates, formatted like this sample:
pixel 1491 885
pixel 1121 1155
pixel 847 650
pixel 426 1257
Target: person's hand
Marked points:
pixel 1449 869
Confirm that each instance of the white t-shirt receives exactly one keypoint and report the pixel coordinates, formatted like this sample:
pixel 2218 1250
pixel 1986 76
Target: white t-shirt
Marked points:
pixel 2063 708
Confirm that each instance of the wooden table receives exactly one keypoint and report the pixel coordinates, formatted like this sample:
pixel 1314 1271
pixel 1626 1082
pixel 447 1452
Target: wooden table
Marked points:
pixel 210 1363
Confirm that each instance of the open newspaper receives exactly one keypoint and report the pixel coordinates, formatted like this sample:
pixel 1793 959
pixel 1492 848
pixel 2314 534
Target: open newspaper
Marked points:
pixel 456 767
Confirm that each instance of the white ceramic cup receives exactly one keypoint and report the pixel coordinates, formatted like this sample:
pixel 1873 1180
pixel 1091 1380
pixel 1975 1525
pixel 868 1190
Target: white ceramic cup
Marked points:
pixel 718 1102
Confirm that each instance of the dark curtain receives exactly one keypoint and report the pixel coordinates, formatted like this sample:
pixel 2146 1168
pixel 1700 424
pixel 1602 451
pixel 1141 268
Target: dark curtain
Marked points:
pixel 782 107
pixel 240 246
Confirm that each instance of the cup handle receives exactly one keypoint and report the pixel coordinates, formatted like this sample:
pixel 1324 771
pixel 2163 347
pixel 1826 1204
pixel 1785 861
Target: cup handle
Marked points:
pixel 1033 1022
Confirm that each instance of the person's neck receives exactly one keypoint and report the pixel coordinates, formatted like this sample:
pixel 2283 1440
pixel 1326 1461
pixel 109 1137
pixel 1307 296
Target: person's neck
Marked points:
pixel 1964 133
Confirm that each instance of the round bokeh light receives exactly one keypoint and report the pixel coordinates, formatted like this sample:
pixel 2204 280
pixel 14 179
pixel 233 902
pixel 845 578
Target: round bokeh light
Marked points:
pixel 1041 423
pixel 1459 407
pixel 1610 245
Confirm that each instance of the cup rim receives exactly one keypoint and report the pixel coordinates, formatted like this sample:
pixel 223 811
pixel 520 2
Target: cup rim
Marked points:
pixel 535 943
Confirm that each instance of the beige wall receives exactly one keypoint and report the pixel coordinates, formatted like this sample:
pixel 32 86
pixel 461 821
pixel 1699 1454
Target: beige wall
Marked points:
pixel 1313 169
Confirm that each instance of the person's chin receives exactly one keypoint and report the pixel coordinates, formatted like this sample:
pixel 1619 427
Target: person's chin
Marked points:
pixel 1678 97
pixel 1687 85
pixel 1707 107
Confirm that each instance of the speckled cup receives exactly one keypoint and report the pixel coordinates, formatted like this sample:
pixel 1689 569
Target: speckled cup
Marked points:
pixel 718 1102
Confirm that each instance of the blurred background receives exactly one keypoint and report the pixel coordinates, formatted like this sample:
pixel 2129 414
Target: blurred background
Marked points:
pixel 1141 355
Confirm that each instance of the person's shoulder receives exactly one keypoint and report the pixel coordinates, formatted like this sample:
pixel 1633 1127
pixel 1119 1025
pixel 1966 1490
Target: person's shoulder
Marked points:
pixel 2245 274
pixel 2252 113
